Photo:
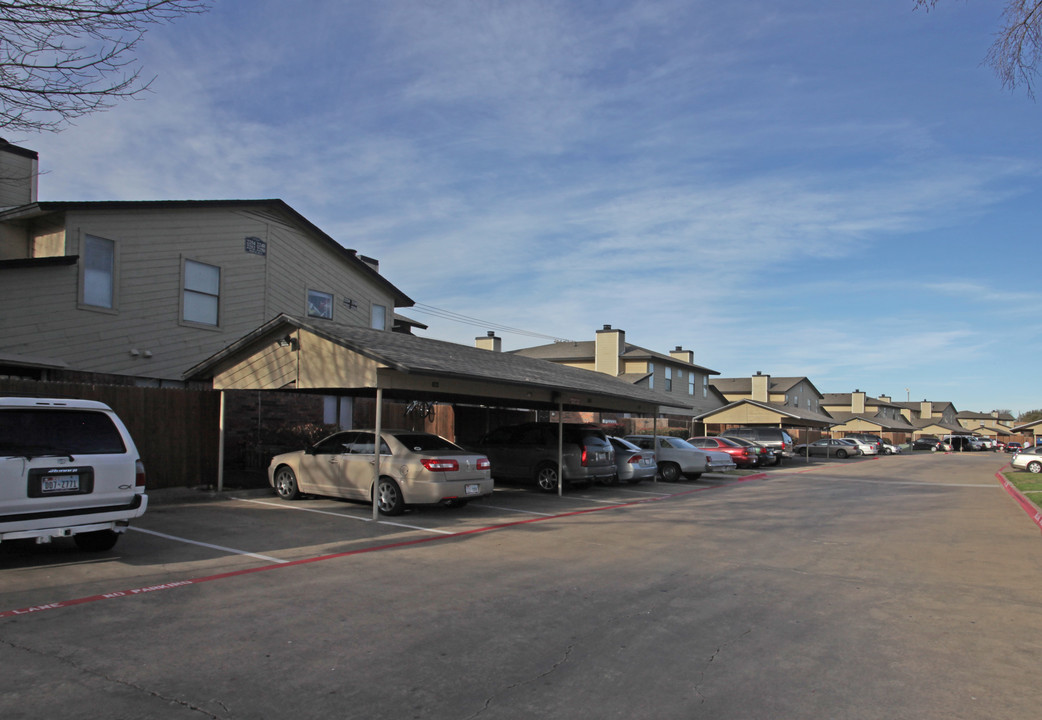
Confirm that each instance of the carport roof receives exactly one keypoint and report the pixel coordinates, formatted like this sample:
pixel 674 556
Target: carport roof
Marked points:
pixel 361 359
pixel 795 416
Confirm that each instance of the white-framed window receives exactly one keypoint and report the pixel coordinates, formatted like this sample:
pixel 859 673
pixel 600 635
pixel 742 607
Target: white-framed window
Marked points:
pixel 320 304
pixel 202 293
pixel 691 384
pixel 378 318
pixel 705 386
pixel 669 379
pixel 651 376
pixel 99 272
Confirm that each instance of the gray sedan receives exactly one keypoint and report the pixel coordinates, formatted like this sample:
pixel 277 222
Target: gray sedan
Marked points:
pixel 828 447
pixel 631 463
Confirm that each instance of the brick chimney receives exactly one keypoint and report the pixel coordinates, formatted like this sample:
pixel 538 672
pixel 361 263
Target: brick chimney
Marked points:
pixel 489 342
pixel 19 173
pixel 761 387
pixel 679 353
pixel 609 346
pixel 857 402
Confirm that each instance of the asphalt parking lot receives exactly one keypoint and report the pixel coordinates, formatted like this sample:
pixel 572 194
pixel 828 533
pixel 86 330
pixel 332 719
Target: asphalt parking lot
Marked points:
pixel 902 586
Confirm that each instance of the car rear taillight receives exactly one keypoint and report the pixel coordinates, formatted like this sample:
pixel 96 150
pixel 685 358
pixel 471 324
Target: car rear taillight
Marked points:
pixel 484 464
pixel 139 474
pixel 440 464
pixel 634 460
pixel 583 461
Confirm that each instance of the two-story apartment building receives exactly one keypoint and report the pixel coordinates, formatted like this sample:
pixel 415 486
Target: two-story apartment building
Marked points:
pixel 995 425
pixel 858 412
pixel 148 289
pixel 793 403
pixel 674 375
pixel 930 417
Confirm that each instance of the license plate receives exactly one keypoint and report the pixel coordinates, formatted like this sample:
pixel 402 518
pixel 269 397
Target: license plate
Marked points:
pixel 59 483
pixel 471 489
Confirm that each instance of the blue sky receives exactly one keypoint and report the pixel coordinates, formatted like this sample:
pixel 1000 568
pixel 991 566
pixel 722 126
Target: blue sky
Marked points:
pixel 839 190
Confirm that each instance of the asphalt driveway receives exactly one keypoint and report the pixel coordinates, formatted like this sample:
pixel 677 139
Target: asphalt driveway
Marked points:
pixel 904 586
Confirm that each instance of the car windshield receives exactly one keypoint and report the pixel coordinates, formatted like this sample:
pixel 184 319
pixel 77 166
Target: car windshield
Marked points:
pixel 425 442
pixel 31 433
pixel 677 443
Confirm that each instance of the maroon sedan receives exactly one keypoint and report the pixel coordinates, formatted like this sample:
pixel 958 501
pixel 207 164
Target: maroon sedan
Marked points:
pixel 743 456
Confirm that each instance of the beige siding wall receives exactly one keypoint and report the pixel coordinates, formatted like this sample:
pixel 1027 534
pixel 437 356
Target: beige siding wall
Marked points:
pixel 42 315
pixel 743 415
pixel 271 368
pixel 328 365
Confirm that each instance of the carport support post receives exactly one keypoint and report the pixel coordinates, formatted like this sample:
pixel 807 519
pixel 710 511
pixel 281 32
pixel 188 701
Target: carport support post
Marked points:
pixel 376 453
pixel 560 448
pixel 654 443
pixel 220 447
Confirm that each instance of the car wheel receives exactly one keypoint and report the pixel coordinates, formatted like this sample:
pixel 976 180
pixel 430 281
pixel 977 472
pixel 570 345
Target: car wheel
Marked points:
pixel 841 454
pixel 389 497
pixel 286 484
pixel 546 477
pixel 1034 467
pixel 98 541
pixel 456 502
pixel 670 472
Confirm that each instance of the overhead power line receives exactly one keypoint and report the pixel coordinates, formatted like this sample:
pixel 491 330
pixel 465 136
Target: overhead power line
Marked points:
pixel 476 322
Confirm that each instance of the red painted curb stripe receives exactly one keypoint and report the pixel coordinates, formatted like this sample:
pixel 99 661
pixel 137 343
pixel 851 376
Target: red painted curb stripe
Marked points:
pixel 1029 507
pixel 348 553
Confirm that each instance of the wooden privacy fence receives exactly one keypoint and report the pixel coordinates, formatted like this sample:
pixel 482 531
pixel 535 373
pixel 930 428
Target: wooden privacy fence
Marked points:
pixel 176 431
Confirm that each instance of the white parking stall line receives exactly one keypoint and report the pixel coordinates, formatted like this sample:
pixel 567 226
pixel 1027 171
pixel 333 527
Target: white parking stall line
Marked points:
pixel 417 527
pixel 283 506
pixel 268 558
pixel 586 498
pixel 517 510
pixel 644 492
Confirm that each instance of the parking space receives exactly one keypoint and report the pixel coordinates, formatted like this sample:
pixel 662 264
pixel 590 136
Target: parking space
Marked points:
pixel 187 535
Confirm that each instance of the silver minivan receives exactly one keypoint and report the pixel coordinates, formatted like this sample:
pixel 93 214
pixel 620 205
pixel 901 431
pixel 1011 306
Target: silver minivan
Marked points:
pixel 68 468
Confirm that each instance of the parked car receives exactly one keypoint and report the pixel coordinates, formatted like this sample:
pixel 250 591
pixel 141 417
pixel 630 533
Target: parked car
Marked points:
pixel 675 456
pixel 868 438
pixel 743 456
pixel 929 442
pixel 764 454
pixel 68 468
pixel 890 448
pixel 866 448
pixel 1029 459
pixel 529 452
pixel 631 463
pixel 776 438
pixel 1013 447
pixel 415 468
pixel 963 443
pixel 828 447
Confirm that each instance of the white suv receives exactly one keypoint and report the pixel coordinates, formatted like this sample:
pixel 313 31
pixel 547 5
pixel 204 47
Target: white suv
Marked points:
pixel 68 468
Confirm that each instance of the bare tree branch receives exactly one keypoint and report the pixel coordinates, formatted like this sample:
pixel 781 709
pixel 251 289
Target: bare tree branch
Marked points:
pixel 63 60
pixel 1017 50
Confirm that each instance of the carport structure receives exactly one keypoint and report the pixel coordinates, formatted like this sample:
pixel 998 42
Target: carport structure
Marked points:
pixel 291 353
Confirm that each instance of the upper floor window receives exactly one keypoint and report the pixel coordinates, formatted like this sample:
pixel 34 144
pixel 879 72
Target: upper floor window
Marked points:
pixel 379 317
pixel 320 304
pixel 669 379
pixel 99 272
pixel 691 384
pixel 705 386
pixel 202 293
pixel 651 375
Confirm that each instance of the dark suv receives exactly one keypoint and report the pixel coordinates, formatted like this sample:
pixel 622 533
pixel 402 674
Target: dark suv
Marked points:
pixel 529 452
pixel 779 441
